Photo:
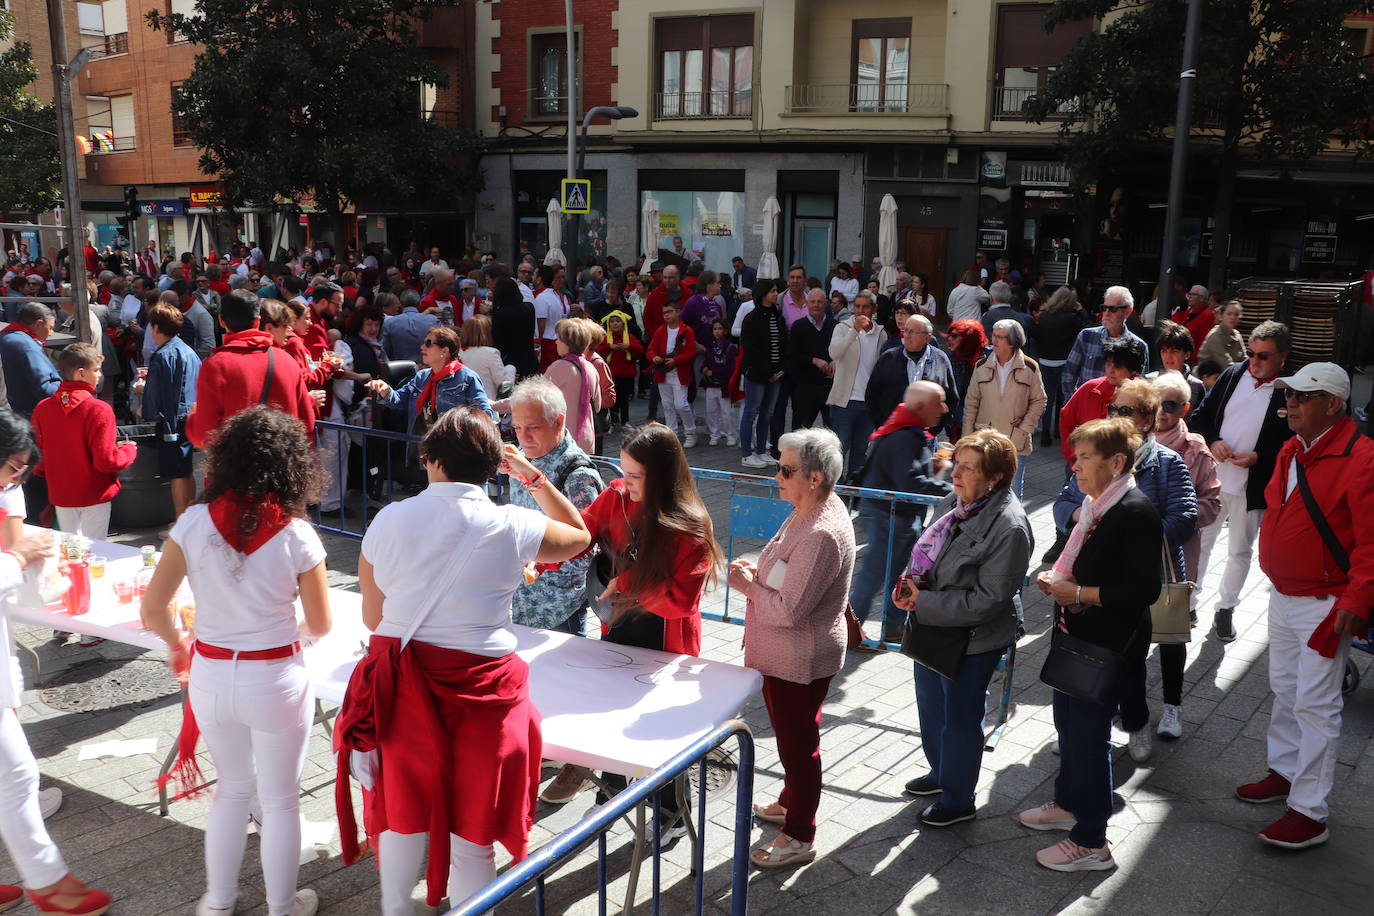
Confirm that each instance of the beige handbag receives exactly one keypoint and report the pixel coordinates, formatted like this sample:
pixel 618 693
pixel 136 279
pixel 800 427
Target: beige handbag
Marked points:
pixel 1169 616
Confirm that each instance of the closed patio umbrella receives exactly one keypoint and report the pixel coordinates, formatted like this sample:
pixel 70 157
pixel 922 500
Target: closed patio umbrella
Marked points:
pixel 555 255
pixel 768 264
pixel 887 243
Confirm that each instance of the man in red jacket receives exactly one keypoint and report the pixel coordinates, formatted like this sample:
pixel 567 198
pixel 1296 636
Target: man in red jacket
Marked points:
pixel 244 371
pixel 1124 358
pixel 76 430
pixel 1317 547
pixel 1197 316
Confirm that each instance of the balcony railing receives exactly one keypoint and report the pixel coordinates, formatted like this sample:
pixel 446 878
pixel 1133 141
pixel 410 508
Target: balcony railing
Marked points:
pixel 931 99
pixel 682 106
pixel 1011 102
pixel 116 44
pixel 119 144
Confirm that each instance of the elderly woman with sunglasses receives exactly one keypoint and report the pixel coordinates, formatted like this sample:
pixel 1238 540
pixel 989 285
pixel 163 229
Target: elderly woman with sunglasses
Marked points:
pixel 1163 477
pixel 444 383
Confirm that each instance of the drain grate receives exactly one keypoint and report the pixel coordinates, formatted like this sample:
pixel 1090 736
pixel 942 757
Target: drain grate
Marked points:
pixel 107 685
pixel 721 770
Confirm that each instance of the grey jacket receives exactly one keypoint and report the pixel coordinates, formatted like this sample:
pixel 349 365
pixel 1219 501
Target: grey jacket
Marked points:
pixel 978 575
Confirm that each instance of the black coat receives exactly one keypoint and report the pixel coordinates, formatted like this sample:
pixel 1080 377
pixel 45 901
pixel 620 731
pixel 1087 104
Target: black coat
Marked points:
pixel 805 343
pixel 901 462
pixel 1274 431
pixel 513 330
pixel 1057 332
pixel 754 341
pixel 1121 559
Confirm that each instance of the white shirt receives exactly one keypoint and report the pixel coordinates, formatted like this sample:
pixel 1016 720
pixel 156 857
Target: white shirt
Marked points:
pixel 672 338
pixel 744 309
pixel 1293 462
pixel 1240 428
pixel 849 287
pixel 245 602
pixel 343 388
pixel 526 292
pixel 128 309
pixel 11 575
pixel 412 546
pixel 553 308
pixel 429 265
pixel 1003 373
pixel 868 358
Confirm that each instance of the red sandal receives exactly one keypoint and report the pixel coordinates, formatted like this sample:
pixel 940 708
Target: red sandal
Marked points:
pixel 10 896
pixel 92 903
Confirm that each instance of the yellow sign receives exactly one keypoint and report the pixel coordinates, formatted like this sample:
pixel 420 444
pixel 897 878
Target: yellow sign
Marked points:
pixel 667 224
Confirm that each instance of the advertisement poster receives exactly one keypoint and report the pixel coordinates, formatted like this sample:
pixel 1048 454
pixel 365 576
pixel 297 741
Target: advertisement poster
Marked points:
pixel 667 224
pixel 700 225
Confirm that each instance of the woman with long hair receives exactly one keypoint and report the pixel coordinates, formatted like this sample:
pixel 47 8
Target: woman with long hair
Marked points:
pixel 513 328
pixel 1058 325
pixel 968 344
pixel 248 553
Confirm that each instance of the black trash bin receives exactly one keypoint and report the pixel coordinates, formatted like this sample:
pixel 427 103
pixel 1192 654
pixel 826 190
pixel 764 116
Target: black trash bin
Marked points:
pixel 144 499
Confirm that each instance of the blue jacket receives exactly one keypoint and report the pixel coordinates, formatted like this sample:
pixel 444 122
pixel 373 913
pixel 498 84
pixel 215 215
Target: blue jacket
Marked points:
pixel 461 388
pixel 29 375
pixel 901 462
pixel 1161 477
pixel 171 386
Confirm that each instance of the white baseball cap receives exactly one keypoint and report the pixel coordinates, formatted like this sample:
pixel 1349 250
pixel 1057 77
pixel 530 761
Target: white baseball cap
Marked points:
pixel 1327 377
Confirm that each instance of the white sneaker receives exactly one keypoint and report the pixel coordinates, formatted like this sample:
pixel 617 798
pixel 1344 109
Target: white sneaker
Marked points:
pixel 731 441
pixel 307 902
pixel 49 800
pixel 1140 745
pixel 714 440
pixel 768 459
pixel 1171 722
pixel 689 440
pixel 204 909
pixel 754 461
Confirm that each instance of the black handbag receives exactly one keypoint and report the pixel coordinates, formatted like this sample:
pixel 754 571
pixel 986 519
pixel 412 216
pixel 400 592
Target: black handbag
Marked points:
pixel 1083 670
pixel 941 649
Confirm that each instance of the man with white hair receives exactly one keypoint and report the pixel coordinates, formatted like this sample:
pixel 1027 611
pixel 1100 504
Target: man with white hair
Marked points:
pixel 999 295
pixel 1085 361
pixel 1317 548
pixel 1197 316
pixel 917 359
pixel 854 348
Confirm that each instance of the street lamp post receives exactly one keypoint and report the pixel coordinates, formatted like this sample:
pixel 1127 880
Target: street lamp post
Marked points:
pixel 613 113
pixel 1187 79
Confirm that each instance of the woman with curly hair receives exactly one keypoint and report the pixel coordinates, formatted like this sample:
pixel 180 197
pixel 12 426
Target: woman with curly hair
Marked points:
pixel 968 344
pixel 248 553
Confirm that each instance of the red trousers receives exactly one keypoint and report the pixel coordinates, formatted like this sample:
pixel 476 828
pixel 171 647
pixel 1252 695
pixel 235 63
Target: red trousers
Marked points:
pixel 548 353
pixel 795 713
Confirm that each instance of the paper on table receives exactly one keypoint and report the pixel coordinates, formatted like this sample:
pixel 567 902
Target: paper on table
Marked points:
pixel 128 748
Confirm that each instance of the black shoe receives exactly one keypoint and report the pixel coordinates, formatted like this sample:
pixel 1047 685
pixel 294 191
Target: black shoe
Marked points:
pixel 1192 619
pixel 1061 540
pixel 1223 625
pixel 938 815
pixel 922 785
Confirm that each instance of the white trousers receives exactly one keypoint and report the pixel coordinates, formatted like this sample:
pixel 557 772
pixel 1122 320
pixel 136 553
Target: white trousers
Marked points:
pixel 39 862
pixel 256 718
pixel 332 448
pixel 1305 723
pixel 673 394
pixel 1244 525
pixel 471 868
pixel 720 413
pixel 88 521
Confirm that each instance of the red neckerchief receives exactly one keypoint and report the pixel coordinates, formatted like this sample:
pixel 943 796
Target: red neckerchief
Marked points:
pixel 71 395
pixel 901 418
pixel 251 339
pixel 16 326
pixel 430 394
pixel 187 307
pixel 228 511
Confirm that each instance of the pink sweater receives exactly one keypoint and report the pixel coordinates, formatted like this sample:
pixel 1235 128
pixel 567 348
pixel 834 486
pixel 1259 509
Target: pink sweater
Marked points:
pixel 797 632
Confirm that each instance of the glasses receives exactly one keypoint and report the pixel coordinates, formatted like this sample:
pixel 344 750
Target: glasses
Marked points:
pixel 1171 406
pixel 1117 308
pixel 1302 397
pixel 787 471
pixel 1124 410
pixel 1262 357
pixel 428 343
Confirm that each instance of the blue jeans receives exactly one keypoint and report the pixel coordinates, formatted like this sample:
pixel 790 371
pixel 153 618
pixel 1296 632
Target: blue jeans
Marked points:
pixel 951 714
pixel 1054 399
pixel 1084 784
pixel 1018 483
pixel 874 573
pixel 853 425
pixel 759 398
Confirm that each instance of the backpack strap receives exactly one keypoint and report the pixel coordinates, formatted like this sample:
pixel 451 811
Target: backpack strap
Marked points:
pixel 267 380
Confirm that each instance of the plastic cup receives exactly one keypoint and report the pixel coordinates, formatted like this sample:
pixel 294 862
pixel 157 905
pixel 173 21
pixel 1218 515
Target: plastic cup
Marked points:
pixel 124 591
pixel 98 567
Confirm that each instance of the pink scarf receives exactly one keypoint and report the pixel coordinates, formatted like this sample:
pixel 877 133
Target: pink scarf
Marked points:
pixel 1093 510
pixel 1176 438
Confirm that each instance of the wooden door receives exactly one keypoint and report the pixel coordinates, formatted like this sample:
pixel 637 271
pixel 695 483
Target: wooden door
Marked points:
pixel 923 249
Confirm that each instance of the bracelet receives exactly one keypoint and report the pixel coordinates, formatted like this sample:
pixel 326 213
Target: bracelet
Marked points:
pixel 535 482
pixel 1078 595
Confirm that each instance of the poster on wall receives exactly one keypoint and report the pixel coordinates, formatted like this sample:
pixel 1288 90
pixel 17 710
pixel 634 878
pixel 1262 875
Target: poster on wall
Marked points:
pixel 706 226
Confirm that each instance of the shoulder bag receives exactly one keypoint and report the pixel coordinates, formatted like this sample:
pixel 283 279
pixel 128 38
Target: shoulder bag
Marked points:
pixel 941 649
pixel 1333 543
pixel 1082 669
pixel 1169 616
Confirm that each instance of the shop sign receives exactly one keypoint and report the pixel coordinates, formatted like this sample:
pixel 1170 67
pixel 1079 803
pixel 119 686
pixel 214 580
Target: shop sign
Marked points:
pixel 1319 249
pixel 994 166
pixel 162 208
pixel 716 224
pixel 992 239
pixel 205 196
pixel 668 224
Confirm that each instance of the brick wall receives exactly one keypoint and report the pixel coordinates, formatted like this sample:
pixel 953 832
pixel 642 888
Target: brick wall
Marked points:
pixel 596 41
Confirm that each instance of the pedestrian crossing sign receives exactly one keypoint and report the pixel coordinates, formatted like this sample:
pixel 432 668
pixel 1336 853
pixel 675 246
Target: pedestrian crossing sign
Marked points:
pixel 577 195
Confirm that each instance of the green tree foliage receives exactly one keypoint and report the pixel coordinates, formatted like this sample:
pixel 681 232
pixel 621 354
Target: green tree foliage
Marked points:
pixel 30 169
pixel 1277 81
pixel 290 98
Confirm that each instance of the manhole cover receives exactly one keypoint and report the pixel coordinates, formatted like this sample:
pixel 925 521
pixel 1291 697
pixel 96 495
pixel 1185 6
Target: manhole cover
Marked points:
pixel 721 770
pixel 107 685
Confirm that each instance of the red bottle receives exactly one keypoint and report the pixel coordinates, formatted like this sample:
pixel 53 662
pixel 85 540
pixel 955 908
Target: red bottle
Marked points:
pixel 78 599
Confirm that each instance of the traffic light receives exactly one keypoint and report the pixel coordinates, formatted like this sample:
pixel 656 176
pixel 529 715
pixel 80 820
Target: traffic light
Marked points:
pixel 131 202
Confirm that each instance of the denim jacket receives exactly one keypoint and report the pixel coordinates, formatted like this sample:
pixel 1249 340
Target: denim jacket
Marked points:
pixel 461 388
pixel 171 386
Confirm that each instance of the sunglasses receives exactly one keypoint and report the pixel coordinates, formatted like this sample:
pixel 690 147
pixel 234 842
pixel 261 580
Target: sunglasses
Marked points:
pixel 787 471
pixel 1123 410
pixel 428 343
pixel 1171 406
pixel 1302 397
pixel 1117 308
pixel 1262 357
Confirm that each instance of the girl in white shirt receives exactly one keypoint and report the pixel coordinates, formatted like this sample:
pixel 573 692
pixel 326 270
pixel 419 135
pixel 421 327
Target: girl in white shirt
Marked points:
pixel 248 553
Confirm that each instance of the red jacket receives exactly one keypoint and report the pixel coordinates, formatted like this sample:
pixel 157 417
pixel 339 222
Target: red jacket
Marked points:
pixel 81 442
pixel 1198 323
pixel 432 301
pixel 678 600
pixel 684 352
pixel 1089 402
pixel 317 339
pixel 653 307
pixel 1291 552
pixel 232 377
pixel 623 363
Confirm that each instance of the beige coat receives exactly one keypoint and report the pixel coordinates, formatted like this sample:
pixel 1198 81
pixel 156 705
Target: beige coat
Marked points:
pixel 1015 412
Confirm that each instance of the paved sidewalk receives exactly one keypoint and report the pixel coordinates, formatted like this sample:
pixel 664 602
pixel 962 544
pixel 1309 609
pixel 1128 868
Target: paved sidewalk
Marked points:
pixel 1184 844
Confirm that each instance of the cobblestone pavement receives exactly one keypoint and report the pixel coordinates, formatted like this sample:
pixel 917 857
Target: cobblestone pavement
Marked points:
pixel 1184 844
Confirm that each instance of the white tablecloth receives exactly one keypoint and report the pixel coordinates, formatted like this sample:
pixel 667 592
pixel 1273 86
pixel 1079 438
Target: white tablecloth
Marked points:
pixel 605 706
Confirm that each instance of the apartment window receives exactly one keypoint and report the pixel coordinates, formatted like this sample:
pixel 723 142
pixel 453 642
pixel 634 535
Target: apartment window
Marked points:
pixel 1026 55
pixel 880 62
pixel 89 19
pixel 122 122
pixel 549 76
pixel 181 134
pixel 183 7
pixel 116 26
pixel 1357 37
pixel 706 67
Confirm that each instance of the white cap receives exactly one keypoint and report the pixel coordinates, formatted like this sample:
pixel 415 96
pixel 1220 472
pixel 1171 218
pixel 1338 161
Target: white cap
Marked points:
pixel 1327 377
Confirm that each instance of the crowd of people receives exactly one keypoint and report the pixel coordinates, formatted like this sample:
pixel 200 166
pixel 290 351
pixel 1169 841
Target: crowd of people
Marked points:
pixel 1169 430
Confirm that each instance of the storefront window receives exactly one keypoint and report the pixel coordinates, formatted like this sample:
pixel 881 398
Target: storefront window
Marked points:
pixel 700 225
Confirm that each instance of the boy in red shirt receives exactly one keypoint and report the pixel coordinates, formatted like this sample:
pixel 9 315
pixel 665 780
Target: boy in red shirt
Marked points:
pixel 77 430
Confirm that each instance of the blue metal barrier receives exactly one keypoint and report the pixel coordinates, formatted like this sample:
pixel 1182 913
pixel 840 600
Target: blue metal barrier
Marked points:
pixel 534 868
